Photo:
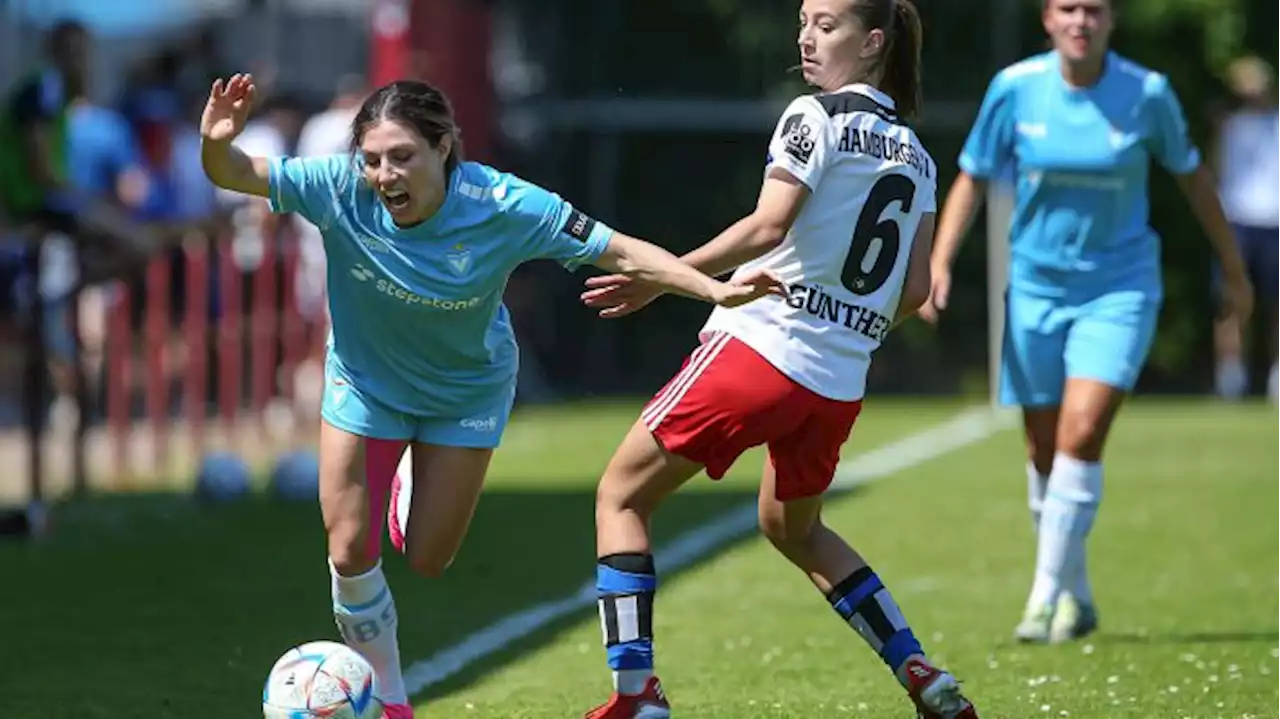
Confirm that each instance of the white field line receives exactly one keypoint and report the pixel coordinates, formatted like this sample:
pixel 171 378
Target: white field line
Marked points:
pixel 966 428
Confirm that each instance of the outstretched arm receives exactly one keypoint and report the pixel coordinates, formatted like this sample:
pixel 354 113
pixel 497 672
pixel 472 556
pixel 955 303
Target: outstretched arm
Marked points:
pixel 648 263
pixel 224 118
pixel 230 168
pixel 781 199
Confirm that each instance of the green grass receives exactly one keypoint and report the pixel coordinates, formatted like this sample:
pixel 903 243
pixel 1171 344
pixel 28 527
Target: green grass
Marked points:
pixel 154 607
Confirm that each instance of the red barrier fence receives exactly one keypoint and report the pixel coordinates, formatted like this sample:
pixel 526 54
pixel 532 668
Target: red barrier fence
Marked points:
pixel 198 308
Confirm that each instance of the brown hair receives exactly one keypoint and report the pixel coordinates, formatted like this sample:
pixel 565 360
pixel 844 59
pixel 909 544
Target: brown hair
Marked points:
pixel 900 59
pixel 416 104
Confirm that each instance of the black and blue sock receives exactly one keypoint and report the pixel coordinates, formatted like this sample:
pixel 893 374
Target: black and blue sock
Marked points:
pixel 862 601
pixel 625 586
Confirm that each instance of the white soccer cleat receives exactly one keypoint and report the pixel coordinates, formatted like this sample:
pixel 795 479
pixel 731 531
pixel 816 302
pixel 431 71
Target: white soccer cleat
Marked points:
pixel 1072 620
pixel 1035 626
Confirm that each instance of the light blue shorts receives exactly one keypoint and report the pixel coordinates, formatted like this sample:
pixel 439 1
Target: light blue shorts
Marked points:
pixel 1048 339
pixel 344 406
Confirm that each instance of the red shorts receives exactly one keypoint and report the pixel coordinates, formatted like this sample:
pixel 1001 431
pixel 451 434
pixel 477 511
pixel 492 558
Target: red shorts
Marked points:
pixel 727 399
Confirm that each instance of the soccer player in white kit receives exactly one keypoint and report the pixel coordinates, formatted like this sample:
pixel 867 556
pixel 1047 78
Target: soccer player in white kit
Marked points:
pixel 845 217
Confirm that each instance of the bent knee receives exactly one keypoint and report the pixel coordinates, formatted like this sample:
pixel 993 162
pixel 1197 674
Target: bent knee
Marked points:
pixel 614 495
pixel 431 559
pixel 349 550
pixel 785 533
pixel 1082 434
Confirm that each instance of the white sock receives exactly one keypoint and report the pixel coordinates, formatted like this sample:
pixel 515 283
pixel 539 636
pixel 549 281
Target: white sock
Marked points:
pixel 366 616
pixel 1273 383
pixel 1070 506
pixel 1231 379
pixel 631 681
pixel 1076 577
pixel 1036 484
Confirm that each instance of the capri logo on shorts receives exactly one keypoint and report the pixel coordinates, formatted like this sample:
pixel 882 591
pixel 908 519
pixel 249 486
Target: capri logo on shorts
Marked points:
pixel 394 290
pixel 487 424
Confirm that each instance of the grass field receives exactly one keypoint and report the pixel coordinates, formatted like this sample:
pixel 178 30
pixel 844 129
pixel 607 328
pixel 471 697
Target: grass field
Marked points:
pixel 152 607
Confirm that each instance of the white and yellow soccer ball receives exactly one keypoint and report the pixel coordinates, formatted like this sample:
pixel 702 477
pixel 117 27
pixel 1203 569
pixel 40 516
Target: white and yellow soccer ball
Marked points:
pixel 323 680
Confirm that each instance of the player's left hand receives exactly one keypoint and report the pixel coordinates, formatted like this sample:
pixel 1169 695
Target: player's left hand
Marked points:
pixel 749 287
pixel 618 295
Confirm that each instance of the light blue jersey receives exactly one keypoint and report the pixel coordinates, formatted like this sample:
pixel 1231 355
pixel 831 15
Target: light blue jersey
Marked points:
pixel 1084 279
pixel 420 337
pixel 1080 156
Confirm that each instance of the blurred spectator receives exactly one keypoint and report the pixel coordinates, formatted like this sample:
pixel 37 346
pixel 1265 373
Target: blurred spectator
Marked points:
pixel 269 134
pixel 104 165
pixel 33 130
pixel 37 197
pixel 1249 181
pixel 164 119
pixel 325 133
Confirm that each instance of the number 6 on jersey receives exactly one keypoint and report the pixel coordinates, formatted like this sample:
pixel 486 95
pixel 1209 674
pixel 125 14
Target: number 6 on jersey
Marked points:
pixel 856 276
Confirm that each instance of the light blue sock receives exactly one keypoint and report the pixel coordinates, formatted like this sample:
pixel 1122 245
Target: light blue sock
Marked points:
pixel 1070 506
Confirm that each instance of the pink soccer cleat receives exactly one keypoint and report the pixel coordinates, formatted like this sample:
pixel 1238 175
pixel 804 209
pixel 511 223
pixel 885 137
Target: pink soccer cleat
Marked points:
pixel 393 519
pixel 397 711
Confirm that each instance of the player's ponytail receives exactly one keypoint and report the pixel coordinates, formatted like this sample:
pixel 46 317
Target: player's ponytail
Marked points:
pixel 902 62
pixel 416 104
pixel 897 64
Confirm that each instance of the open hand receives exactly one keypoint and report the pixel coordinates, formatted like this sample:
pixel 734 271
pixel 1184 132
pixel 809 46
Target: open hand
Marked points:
pixel 618 295
pixel 228 108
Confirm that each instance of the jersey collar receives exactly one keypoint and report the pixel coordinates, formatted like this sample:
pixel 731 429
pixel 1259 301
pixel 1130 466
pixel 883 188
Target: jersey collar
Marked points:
pixel 863 88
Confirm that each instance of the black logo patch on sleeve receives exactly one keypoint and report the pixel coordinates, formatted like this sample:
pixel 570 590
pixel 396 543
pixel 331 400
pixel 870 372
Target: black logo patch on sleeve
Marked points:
pixel 578 226
pixel 790 124
pixel 798 139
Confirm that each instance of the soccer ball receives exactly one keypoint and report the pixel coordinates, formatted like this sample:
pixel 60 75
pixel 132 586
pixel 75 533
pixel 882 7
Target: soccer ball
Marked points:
pixel 320 679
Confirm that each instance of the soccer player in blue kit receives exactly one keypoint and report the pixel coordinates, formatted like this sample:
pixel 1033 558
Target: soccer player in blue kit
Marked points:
pixel 421 353
pixel 1078 125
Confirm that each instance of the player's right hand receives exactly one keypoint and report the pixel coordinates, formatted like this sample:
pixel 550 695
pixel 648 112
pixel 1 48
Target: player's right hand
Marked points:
pixel 939 294
pixel 228 108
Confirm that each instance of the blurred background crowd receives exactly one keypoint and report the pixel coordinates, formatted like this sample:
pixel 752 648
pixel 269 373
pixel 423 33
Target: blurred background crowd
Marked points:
pixel 143 312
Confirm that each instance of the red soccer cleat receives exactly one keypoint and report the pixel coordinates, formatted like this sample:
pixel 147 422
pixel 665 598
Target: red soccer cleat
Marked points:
pixel 649 704
pixel 935 692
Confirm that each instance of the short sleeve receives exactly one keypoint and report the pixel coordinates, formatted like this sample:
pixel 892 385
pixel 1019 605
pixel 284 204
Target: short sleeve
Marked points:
pixel 1170 141
pixel 555 229
pixel 989 148
pixel 801 143
pixel 309 186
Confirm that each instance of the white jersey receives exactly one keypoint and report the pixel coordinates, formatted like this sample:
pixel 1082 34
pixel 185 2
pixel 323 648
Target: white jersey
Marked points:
pixel 1249 168
pixel 846 256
